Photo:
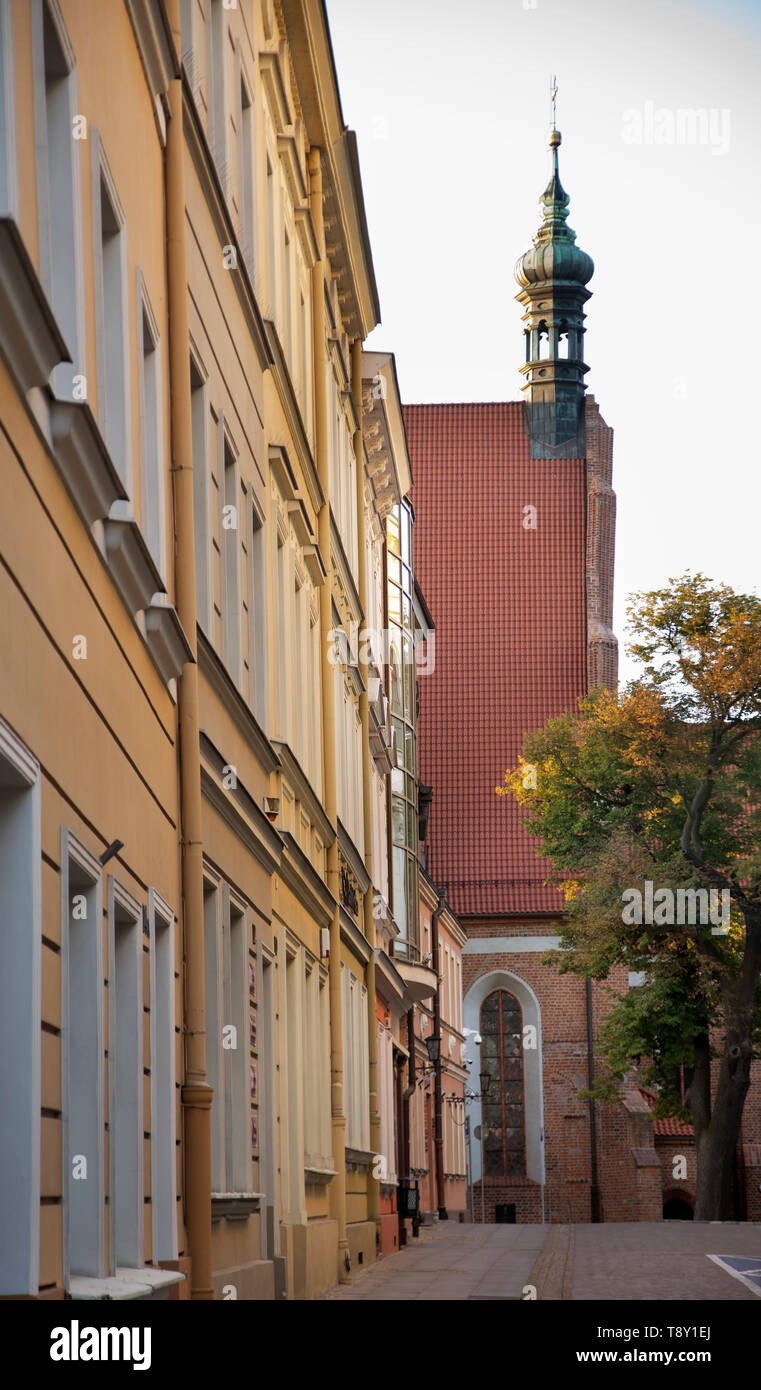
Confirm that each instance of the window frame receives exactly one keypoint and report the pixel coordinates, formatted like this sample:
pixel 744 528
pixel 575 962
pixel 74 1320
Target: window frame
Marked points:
pixel 21 1029
pixel 61 260
pixel 152 482
pixel 164 1244
pixel 88 1235
pixel 118 440
pixel 125 1080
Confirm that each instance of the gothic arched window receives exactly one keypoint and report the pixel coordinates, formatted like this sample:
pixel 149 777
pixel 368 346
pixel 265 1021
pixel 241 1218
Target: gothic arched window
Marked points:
pixel 502 1058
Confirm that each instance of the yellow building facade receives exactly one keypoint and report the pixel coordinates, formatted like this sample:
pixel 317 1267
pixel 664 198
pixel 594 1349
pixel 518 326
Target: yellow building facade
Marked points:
pixel 197 465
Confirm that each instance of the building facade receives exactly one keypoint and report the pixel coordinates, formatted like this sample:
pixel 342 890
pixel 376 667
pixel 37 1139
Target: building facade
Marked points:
pixel 208 776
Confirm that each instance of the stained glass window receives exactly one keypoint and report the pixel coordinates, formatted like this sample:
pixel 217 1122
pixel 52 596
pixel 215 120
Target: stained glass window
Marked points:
pixel 502 1058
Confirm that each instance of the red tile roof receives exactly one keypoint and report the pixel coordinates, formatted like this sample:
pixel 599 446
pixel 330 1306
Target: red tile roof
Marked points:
pixel 510 637
pixel 669 1127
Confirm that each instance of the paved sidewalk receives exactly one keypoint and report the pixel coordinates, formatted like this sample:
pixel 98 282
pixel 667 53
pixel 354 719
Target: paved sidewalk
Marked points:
pixel 617 1262
pixel 452 1262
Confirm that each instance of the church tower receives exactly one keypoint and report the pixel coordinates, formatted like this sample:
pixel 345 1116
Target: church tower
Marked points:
pixel 553 277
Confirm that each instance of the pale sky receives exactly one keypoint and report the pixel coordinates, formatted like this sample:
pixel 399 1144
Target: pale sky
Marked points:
pixel 450 102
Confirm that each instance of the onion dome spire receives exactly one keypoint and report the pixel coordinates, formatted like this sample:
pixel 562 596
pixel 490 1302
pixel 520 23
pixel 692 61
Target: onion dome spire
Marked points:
pixel 552 277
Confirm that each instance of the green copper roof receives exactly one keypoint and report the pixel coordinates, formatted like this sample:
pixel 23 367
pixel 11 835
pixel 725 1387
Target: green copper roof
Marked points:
pixel 555 256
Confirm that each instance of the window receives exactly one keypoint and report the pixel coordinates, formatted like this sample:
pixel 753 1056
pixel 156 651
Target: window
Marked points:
pixel 112 326
pixel 83 1061
pixel 151 431
pixel 20 1015
pixel 217 91
pixel 230 535
pixel 272 223
pixel 356 1061
pixel 298 639
pixel 199 411
pixel 386 1103
pixel 281 597
pixel 502 1058
pixel 317 1133
pixel 163 1082
pixel 8 161
pixel 58 186
pixel 404 811
pixel 227 1034
pixel 287 306
pixel 246 154
pixel 125 1075
pixel 257 614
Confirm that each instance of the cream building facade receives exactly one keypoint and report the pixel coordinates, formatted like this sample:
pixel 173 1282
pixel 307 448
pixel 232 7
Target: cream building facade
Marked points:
pixel 196 745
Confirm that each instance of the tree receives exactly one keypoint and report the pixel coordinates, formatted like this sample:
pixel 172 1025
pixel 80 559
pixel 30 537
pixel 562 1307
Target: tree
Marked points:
pixel 660 786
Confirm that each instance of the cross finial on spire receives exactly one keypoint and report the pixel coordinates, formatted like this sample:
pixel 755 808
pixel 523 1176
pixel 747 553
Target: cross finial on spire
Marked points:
pixel 553 96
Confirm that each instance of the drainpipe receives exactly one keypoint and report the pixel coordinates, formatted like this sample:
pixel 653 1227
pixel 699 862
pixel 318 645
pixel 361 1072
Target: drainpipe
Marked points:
pixel 438 1130
pixel 373 1182
pixel 337 1188
pixel 595 1190
pixel 196 1093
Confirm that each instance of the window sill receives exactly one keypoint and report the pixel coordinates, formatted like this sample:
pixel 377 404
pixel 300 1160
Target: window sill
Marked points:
pixel 125 1284
pixel 234 1206
pixel 166 639
pixel 318 1177
pixel 359 1158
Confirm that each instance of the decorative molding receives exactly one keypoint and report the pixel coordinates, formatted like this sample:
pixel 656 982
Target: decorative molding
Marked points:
pixel 315 564
pixel 272 62
pixel 166 640
pixel 84 461
pixel 508 945
pixel 291 166
pixel 302 216
pixel 30 339
pixel 131 563
pixel 13 751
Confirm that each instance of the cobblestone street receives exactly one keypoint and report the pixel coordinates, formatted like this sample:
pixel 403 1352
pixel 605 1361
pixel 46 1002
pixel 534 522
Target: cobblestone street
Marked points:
pixel 614 1262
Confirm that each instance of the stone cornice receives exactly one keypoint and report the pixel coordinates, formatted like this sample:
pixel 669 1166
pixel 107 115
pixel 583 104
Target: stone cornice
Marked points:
pixel 351 854
pixel 292 412
pixel 304 882
pixel 214 671
pixel 353 938
pixel 239 810
pixel 305 791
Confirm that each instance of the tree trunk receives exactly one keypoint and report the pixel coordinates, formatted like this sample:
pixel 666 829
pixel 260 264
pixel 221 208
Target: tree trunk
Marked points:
pixel 716 1141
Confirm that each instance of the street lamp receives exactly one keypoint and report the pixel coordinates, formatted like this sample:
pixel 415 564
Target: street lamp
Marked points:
pixel 433 1048
pixel 485 1078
